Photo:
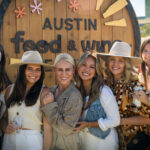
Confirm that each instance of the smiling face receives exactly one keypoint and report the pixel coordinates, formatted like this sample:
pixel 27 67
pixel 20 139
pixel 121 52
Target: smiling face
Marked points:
pixel 87 69
pixel 116 66
pixel 64 73
pixel 32 73
pixel 146 54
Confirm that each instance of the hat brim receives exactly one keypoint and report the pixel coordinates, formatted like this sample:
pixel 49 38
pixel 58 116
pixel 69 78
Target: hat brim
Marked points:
pixel 14 62
pixel 41 64
pixel 136 61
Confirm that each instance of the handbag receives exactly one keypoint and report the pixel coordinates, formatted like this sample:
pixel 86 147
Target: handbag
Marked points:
pixel 140 141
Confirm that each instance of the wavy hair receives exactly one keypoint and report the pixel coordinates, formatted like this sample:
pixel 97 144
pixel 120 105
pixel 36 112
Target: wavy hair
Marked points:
pixel 97 81
pixel 143 64
pixel 129 74
pixel 3 75
pixel 18 93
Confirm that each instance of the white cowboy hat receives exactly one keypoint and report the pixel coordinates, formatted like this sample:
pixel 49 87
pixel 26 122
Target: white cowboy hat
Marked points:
pixel 29 57
pixel 122 49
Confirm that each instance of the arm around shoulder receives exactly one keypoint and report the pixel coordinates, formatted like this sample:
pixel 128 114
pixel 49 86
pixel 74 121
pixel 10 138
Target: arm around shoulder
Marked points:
pixel 64 118
pixel 46 96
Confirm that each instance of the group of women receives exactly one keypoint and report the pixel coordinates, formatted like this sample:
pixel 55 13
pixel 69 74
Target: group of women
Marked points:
pixel 97 104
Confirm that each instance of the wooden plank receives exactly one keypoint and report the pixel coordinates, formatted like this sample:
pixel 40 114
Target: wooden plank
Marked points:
pixel 118 5
pixel 95 35
pixel 99 3
pixel 118 23
pixel 119 32
pixel 129 33
pixel 22 24
pixel 32 24
pixel 35 25
pixel 61 13
pixel 48 35
pixel 84 14
pixel 73 34
pixel 15 60
pixel 106 31
pixel 9 31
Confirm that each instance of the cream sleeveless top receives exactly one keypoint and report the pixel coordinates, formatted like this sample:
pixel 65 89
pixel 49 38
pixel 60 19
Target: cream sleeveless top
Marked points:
pixel 30 117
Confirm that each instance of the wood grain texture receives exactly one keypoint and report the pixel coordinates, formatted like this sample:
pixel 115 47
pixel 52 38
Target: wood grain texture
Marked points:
pixel 118 5
pixel 118 23
pixel 99 3
pixel 32 24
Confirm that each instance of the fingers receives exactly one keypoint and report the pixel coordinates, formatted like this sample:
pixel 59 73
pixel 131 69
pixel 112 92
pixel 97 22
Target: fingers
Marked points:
pixel 10 128
pixel 49 94
pixel 76 129
pixel 48 98
pixel 139 93
pixel 80 126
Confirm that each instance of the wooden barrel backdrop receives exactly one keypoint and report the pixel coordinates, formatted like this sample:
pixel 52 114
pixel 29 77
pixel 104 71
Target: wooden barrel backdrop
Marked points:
pixel 72 26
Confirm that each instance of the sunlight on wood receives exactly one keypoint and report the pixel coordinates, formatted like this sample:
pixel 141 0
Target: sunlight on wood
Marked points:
pixel 118 5
pixel 119 23
pixel 99 3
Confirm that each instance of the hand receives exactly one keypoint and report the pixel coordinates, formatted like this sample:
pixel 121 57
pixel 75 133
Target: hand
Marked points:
pixel 80 126
pixel 49 97
pixel 141 96
pixel 10 128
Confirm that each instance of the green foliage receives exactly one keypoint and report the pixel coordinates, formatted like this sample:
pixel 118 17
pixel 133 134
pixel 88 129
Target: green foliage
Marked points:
pixel 145 30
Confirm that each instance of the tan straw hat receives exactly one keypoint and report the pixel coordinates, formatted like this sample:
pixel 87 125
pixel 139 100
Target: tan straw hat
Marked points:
pixel 29 57
pixel 122 49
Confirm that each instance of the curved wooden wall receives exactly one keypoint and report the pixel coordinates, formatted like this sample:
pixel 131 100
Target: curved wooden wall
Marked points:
pixel 32 24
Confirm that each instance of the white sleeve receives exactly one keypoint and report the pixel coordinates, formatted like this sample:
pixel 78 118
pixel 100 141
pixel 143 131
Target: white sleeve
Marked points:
pixel 110 106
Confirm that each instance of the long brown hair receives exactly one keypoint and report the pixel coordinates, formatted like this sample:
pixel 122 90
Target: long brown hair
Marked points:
pixel 143 64
pixel 97 82
pixel 3 76
pixel 20 87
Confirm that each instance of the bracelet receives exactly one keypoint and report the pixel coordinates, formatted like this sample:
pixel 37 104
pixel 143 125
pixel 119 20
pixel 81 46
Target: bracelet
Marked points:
pixel 89 124
pixel 148 98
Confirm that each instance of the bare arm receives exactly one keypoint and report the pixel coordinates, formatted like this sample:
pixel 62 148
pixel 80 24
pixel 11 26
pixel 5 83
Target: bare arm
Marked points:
pixel 46 126
pixel 83 124
pixel 135 120
pixel 47 134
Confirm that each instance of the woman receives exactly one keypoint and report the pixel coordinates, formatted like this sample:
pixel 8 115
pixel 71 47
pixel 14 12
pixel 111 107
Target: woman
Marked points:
pixel 122 79
pixel 64 112
pixel 144 76
pixel 3 85
pixel 22 122
pixel 100 111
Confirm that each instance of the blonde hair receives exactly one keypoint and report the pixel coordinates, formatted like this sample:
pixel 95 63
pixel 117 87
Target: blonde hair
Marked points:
pixel 129 74
pixel 64 56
